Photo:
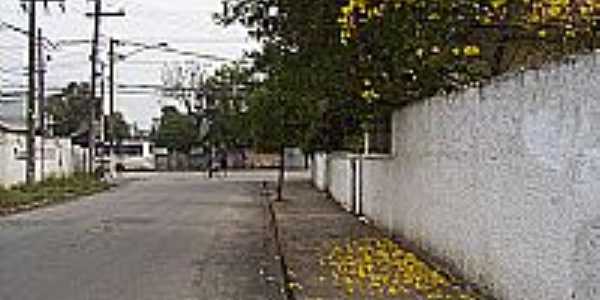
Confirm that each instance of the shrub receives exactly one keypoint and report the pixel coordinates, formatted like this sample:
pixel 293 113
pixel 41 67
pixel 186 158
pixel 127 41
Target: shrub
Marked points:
pixel 53 189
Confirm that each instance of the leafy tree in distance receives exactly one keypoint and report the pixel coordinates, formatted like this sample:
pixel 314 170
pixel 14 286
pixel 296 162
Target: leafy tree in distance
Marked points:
pixel 121 127
pixel 305 65
pixel 226 92
pixel 176 131
pixel 70 112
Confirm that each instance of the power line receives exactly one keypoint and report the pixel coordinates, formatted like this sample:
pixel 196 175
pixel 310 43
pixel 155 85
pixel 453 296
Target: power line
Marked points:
pixel 23 31
pixel 14 28
pixel 174 50
pixel 208 40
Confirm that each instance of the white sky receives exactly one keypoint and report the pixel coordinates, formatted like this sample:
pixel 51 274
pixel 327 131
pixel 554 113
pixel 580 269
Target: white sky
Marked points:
pixel 184 24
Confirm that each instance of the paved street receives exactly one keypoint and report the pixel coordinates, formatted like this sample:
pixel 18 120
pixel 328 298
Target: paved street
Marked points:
pixel 158 236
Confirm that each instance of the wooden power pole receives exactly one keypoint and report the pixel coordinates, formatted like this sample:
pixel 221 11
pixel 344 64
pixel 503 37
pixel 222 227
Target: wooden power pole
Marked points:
pixel 97 15
pixel 30 168
pixel 30 144
pixel 41 104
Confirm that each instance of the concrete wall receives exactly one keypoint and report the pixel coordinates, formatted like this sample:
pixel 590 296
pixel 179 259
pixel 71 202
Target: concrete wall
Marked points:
pixel 340 179
pixel 319 171
pixel 12 171
pixel 374 181
pixel 294 158
pixel 351 178
pixel 501 182
pixel 263 160
pixel 61 158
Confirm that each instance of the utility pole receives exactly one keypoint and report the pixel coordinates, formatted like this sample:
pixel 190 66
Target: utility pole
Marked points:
pixel 102 93
pixel 111 99
pixel 30 144
pixel 41 104
pixel 92 103
pixel 30 169
pixel 97 15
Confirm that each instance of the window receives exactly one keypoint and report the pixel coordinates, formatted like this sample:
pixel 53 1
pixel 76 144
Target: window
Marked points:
pixel 130 150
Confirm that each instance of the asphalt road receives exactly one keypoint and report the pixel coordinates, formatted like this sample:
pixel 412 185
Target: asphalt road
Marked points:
pixel 162 236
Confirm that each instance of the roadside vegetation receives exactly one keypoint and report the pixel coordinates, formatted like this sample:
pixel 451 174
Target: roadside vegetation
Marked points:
pixel 53 190
pixel 339 68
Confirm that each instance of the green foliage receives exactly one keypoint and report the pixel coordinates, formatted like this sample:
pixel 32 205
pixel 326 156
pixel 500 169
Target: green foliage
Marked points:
pixel 70 112
pixel 332 66
pixel 410 50
pixel 70 109
pixel 176 131
pixel 121 127
pixel 226 94
pixel 53 189
pixel 307 83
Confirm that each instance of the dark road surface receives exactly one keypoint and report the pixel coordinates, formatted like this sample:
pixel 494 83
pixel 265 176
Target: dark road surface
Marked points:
pixel 163 236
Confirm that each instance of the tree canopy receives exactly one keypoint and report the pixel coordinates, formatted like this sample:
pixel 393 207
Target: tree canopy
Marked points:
pixel 334 65
pixel 69 109
pixel 121 127
pixel 226 92
pixel 176 131
pixel 70 112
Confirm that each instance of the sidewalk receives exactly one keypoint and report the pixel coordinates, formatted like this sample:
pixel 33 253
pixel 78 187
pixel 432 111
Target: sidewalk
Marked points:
pixel 331 254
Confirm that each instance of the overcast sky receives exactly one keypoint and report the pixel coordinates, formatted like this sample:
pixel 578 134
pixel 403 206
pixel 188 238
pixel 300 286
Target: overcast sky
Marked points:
pixel 184 24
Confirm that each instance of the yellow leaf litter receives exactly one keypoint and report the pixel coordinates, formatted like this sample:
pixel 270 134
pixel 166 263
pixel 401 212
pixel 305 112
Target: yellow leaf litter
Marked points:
pixel 379 267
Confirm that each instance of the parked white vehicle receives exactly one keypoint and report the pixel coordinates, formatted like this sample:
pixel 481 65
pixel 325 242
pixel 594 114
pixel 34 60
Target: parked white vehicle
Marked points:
pixel 135 155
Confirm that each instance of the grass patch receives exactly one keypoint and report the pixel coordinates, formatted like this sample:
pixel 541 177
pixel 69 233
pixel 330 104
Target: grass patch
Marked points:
pixel 52 190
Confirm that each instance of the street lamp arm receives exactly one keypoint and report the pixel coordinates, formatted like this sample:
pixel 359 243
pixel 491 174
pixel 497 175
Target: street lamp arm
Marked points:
pixel 166 48
pixel 194 54
pixel 20 30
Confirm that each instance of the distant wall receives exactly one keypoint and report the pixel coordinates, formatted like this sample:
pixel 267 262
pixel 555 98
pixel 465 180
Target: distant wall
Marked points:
pixel 502 182
pixel 60 158
pixel 375 181
pixel 12 170
pixel 294 158
pixel 319 171
pixel 263 160
pixel 340 179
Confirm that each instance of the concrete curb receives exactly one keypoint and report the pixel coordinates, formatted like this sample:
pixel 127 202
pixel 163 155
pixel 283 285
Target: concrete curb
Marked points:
pixel 285 291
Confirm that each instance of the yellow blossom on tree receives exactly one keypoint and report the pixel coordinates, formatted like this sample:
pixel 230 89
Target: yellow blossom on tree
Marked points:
pixel 472 50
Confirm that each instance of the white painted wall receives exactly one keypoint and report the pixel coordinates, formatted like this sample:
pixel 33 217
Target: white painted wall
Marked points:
pixel 294 158
pixel 12 171
pixel 319 171
pixel 340 179
pixel 61 158
pixel 375 179
pixel 502 182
